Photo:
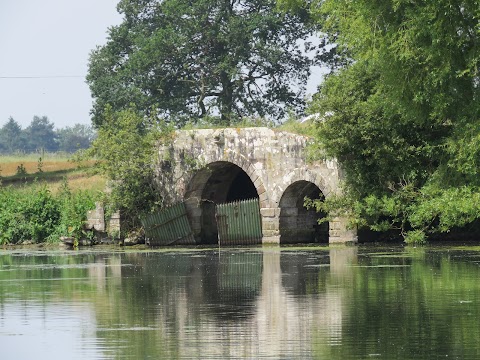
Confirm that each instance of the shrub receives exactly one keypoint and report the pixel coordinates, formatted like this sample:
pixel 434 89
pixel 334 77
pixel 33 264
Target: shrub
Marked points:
pixel 35 214
pixel 27 215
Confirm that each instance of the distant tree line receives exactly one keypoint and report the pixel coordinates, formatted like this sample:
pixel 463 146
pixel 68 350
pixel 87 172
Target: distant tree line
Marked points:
pixel 41 135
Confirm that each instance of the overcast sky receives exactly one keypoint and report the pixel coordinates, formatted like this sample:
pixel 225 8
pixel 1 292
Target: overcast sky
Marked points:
pixel 49 40
pixel 44 50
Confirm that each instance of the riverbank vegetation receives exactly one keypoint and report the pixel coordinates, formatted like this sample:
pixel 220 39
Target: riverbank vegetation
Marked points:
pixel 44 200
pixel 126 150
pixel 401 112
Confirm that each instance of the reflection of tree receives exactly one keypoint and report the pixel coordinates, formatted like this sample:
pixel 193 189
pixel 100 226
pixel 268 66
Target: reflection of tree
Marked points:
pixel 234 304
pixel 225 282
pixel 410 305
pixel 169 296
pixel 22 275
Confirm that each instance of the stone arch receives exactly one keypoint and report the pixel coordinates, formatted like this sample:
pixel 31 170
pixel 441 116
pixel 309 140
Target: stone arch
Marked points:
pixel 225 180
pixel 307 174
pixel 298 224
pixel 228 157
pixel 243 163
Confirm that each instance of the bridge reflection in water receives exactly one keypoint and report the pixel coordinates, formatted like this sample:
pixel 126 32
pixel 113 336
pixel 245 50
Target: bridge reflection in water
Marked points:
pixel 308 303
pixel 237 303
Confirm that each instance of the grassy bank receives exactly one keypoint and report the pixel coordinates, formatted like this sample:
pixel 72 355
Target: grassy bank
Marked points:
pixel 45 198
pixel 53 169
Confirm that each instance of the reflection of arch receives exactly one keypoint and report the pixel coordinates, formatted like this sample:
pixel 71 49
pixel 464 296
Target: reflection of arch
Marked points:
pixel 298 224
pixel 217 183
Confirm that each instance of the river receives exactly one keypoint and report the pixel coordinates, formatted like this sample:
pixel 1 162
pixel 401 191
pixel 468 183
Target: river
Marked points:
pixel 359 302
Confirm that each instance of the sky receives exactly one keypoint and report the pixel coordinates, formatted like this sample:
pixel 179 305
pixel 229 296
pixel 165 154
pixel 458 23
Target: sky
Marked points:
pixel 44 51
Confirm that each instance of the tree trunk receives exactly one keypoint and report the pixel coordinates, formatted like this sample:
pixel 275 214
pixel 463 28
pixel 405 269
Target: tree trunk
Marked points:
pixel 226 98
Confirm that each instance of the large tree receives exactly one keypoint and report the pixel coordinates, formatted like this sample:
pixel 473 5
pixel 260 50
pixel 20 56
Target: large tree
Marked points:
pixel 403 112
pixel 40 135
pixel 192 59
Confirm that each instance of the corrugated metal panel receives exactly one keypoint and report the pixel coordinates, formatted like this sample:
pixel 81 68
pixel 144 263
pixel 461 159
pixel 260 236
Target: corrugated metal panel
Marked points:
pixel 168 226
pixel 239 223
pixel 240 273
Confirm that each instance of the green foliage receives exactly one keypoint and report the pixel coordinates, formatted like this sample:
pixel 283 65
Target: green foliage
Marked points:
pixel 40 135
pixel 292 125
pixel 35 214
pixel 30 215
pixel 443 209
pixel 211 122
pixel 190 60
pixel 77 137
pixel 73 207
pixel 125 149
pixel 402 112
pixel 11 138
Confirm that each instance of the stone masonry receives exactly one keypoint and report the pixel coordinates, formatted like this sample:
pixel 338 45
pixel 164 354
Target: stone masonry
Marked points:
pixel 202 165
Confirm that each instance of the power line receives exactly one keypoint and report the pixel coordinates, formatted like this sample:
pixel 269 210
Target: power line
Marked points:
pixel 42 77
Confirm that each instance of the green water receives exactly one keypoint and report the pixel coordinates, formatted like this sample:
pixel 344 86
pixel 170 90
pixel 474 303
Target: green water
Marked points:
pixel 291 303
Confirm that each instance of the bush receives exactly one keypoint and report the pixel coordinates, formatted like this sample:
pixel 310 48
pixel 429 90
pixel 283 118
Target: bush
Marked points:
pixel 126 150
pixel 73 211
pixel 27 215
pixel 35 214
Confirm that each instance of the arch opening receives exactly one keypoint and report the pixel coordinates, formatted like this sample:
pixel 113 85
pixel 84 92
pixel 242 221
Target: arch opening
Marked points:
pixel 217 183
pixel 297 224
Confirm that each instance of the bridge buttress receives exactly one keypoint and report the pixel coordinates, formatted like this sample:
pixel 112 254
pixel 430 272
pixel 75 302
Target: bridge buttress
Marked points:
pixel 270 225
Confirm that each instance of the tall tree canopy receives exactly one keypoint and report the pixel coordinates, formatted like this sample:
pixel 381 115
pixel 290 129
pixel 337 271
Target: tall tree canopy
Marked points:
pixel 191 59
pixel 403 112
pixel 40 134
pixel 11 138
pixel 71 139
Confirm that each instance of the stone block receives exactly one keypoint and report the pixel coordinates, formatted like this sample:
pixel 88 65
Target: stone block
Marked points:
pixel 263 200
pixel 269 225
pixel 114 225
pixel 257 182
pixel 261 189
pixel 96 218
pixel 334 225
pixel 268 212
pixel 271 238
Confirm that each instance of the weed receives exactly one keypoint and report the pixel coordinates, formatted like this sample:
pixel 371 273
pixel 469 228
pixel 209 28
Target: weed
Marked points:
pixel 21 171
pixel 40 165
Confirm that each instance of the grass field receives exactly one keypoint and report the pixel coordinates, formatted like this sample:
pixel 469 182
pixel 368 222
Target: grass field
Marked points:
pixel 52 168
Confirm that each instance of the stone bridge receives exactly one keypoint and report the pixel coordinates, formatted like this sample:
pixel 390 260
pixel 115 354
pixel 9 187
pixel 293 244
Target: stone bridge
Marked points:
pixel 213 166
